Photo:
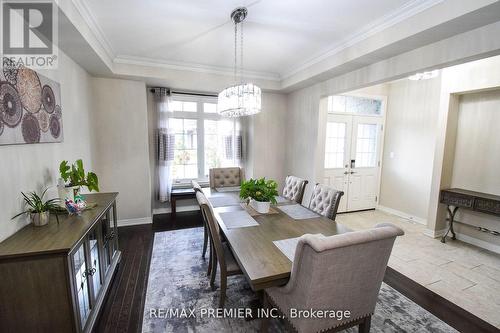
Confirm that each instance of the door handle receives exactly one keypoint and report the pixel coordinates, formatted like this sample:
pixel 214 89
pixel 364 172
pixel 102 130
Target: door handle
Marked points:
pixel 346 172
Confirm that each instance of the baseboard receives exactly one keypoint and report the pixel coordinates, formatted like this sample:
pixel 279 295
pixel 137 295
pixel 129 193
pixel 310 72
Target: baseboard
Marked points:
pixel 167 210
pixel 402 214
pixel 479 243
pixel 435 233
pixel 128 222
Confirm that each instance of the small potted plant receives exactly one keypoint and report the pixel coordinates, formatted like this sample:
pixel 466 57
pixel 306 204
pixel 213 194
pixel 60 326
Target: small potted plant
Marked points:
pixel 73 178
pixel 37 209
pixel 260 192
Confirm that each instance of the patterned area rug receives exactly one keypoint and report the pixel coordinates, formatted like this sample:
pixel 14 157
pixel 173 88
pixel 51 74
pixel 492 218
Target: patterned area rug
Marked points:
pixel 178 282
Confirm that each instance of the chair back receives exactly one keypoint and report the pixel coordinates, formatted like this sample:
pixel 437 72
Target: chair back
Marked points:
pixel 294 188
pixel 226 177
pixel 213 226
pixel 325 201
pixel 341 272
pixel 196 186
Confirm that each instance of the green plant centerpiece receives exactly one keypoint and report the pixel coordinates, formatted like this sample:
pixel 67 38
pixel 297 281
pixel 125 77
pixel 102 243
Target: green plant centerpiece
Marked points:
pixel 261 193
pixel 73 178
pixel 38 209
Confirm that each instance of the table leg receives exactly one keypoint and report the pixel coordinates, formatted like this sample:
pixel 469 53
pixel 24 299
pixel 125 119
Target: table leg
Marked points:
pixel 173 206
pixel 451 215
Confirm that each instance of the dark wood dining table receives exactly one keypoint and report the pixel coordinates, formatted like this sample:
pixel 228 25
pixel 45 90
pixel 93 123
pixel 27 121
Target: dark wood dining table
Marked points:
pixel 263 264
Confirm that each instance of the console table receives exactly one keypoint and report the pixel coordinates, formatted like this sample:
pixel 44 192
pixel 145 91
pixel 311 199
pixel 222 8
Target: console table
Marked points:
pixel 456 198
pixel 54 278
pixel 178 194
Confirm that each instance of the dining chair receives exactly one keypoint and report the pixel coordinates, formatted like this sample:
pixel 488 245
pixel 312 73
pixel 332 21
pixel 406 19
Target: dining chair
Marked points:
pixel 226 177
pixel 294 188
pixel 325 201
pixel 196 186
pixel 220 252
pixel 340 272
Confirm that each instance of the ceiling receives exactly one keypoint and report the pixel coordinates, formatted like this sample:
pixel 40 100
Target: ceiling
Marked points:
pixel 280 35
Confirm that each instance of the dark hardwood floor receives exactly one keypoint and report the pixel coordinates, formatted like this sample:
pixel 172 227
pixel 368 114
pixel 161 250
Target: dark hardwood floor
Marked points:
pixel 124 307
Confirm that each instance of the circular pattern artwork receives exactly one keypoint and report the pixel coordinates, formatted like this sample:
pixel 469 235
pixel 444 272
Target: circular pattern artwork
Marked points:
pixel 48 99
pixel 10 70
pixel 43 120
pixel 55 126
pixel 11 110
pixel 29 89
pixel 58 112
pixel 30 129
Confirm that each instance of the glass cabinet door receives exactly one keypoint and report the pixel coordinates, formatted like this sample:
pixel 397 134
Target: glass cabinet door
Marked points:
pixel 95 261
pixel 82 284
pixel 113 232
pixel 104 230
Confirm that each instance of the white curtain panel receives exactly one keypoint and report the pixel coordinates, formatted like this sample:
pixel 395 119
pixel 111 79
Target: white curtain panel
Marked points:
pixel 165 144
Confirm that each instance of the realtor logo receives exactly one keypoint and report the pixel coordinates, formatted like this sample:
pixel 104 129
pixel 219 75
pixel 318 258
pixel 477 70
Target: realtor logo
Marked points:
pixel 29 32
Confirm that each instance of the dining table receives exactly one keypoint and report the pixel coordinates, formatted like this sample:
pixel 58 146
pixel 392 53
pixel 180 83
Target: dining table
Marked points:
pixel 261 260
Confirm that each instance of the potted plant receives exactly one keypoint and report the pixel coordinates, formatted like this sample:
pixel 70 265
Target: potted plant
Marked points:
pixel 39 210
pixel 261 193
pixel 73 178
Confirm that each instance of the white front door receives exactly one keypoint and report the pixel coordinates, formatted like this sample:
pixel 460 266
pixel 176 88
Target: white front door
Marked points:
pixel 352 159
pixel 337 154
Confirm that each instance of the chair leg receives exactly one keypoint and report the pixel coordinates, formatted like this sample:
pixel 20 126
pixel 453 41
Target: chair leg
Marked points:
pixel 223 287
pixel 214 271
pixel 205 239
pixel 210 259
pixel 364 327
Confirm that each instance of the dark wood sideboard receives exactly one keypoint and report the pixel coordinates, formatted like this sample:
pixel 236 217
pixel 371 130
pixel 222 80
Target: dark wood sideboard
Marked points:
pixel 471 200
pixel 55 278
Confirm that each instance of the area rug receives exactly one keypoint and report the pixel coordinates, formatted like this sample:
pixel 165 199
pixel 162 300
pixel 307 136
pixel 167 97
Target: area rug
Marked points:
pixel 179 298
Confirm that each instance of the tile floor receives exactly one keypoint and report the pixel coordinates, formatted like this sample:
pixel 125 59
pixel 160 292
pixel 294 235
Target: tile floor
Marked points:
pixel 464 274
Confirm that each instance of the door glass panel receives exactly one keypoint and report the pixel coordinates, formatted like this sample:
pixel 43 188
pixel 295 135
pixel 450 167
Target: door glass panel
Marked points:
pixel 366 146
pixel 335 145
pixel 354 104
pixel 82 285
pixel 95 262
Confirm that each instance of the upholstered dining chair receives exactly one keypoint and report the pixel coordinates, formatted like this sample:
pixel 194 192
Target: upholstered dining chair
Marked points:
pixel 340 272
pixel 226 177
pixel 220 252
pixel 325 201
pixel 294 188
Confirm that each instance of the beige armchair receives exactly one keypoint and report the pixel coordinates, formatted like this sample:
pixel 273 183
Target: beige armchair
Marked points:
pixel 294 188
pixel 226 177
pixel 325 201
pixel 341 272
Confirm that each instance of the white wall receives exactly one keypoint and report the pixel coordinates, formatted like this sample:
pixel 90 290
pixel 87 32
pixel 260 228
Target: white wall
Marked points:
pixel 120 127
pixel 410 131
pixel 35 166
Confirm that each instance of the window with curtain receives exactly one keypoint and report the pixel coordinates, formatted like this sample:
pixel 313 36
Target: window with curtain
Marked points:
pixel 202 138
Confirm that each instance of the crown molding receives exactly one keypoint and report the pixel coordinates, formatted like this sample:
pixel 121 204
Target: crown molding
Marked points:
pixel 192 67
pixel 402 13
pixel 90 20
pixel 406 11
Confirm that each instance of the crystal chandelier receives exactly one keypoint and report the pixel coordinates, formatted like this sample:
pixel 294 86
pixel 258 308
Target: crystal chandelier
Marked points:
pixel 240 99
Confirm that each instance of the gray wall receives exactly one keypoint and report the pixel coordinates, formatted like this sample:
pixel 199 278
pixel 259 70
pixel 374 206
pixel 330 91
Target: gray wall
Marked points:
pixel 410 131
pixel 121 147
pixel 477 157
pixel 35 166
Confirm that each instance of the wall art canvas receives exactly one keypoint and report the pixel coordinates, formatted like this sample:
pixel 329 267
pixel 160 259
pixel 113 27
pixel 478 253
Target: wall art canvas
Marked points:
pixel 30 107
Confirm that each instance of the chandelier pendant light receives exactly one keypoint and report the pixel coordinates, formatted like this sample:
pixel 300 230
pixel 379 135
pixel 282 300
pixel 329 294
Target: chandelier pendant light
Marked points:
pixel 240 99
